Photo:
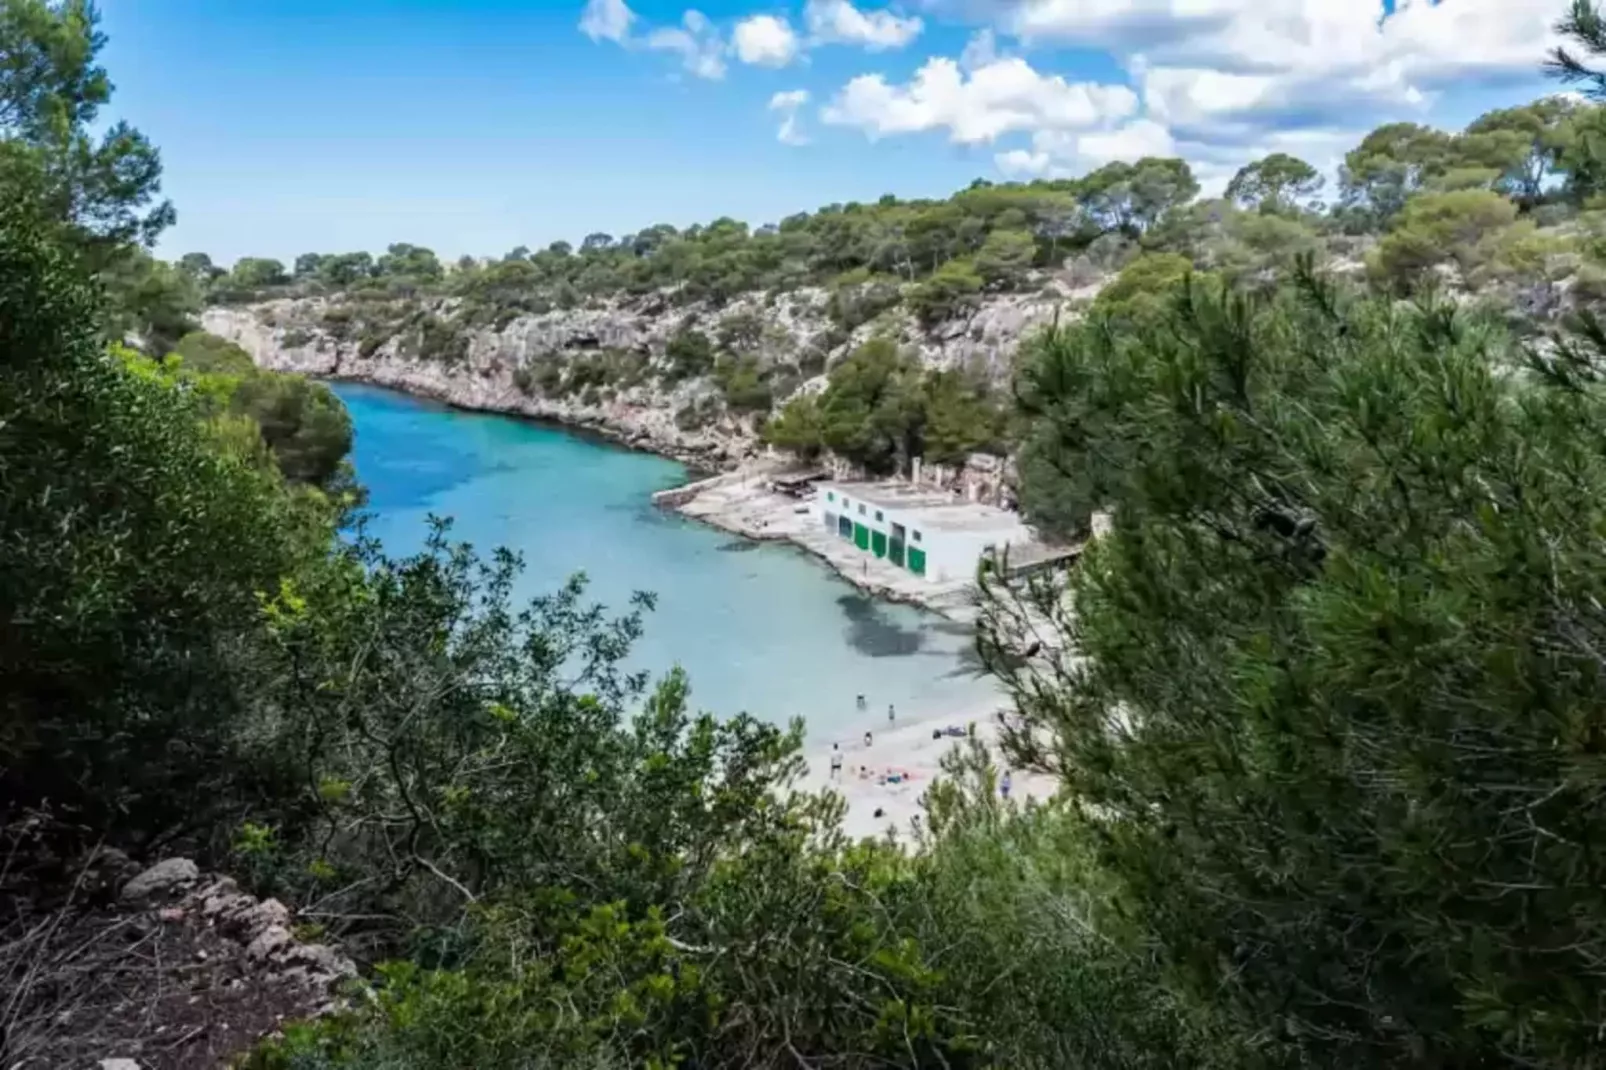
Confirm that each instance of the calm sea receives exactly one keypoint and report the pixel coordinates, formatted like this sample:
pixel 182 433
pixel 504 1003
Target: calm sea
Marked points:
pixel 760 628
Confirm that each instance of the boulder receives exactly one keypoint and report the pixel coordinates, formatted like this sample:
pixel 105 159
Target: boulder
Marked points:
pixel 163 877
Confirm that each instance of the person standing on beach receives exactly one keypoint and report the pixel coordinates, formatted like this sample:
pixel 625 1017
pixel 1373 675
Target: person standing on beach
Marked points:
pixel 1005 785
pixel 867 740
pixel 836 762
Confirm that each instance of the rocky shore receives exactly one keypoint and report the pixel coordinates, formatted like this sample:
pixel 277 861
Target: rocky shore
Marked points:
pixel 741 502
pixel 685 420
pixel 495 373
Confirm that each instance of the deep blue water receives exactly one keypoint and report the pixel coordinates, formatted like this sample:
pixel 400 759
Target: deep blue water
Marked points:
pixel 760 628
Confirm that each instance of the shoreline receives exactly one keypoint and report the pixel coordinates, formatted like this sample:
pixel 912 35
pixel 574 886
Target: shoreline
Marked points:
pixel 908 748
pixel 734 499
pixel 739 503
pixel 701 462
pixel 723 494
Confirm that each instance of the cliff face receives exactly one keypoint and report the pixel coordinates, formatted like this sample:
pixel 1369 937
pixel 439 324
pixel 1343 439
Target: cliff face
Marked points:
pixel 501 370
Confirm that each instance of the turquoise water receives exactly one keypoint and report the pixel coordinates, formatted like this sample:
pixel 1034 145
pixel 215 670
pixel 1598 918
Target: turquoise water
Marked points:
pixel 760 628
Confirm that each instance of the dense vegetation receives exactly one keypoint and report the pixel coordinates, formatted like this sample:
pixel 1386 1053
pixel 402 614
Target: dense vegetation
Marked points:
pixel 1506 213
pixel 1327 712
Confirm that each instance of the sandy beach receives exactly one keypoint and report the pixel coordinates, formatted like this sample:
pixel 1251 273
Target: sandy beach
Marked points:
pixel 907 747
pixel 742 503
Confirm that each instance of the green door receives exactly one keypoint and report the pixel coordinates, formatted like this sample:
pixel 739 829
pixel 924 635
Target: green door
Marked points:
pixel 895 552
pixel 917 561
pixel 844 527
pixel 861 536
pixel 878 543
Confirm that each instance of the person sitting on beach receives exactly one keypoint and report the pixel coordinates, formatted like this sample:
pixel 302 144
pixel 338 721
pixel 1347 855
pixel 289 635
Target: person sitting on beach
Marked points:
pixel 836 762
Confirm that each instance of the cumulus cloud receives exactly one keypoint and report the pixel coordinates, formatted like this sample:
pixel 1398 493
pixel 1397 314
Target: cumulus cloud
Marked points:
pixel 1002 97
pixel 695 41
pixel 607 20
pixel 788 104
pixel 764 41
pixel 1253 63
pixel 1219 82
pixel 839 22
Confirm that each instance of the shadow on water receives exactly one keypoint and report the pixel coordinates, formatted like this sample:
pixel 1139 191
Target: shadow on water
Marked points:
pixel 740 546
pixel 872 631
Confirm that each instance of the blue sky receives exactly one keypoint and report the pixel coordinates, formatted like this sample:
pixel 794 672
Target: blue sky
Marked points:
pixel 289 126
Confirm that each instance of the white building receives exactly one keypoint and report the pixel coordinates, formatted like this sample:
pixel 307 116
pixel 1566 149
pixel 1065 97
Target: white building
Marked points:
pixel 929 532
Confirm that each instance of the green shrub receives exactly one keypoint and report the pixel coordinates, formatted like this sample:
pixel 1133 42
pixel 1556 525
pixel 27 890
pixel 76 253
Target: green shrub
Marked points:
pixel 743 384
pixel 1143 286
pixel 1441 228
pixel 136 542
pixel 859 297
pixel 442 340
pixel 1337 626
pixel 690 354
pixel 951 291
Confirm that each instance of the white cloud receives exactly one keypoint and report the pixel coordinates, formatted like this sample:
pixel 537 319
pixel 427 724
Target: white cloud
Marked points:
pixel 980 51
pixel 788 103
pixel 839 22
pixel 1133 141
pixel 1272 65
pixel 1018 163
pixel 1002 97
pixel 696 42
pixel 607 20
pixel 765 41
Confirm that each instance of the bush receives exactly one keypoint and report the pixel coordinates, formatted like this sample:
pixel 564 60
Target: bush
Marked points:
pixel 859 297
pixel 1143 286
pixel 951 291
pixel 743 384
pixel 135 544
pixel 441 340
pixel 1440 228
pixel 690 354
pixel 1323 634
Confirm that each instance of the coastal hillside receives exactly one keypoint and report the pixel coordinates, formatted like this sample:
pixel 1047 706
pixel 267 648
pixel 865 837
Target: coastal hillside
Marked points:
pixel 694 381
pixel 710 342
pixel 1320 706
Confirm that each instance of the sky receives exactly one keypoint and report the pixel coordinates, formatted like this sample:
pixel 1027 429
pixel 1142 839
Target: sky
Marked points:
pixel 475 126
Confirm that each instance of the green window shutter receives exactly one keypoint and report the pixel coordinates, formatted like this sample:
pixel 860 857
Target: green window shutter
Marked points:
pixel 844 527
pixel 917 561
pixel 861 536
pixel 878 543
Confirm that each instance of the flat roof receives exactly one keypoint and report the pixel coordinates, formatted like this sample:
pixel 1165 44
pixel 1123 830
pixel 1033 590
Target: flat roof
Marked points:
pixel 933 509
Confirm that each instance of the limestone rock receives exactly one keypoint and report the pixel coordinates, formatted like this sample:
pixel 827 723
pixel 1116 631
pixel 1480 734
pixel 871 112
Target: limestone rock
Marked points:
pixel 269 942
pixel 164 876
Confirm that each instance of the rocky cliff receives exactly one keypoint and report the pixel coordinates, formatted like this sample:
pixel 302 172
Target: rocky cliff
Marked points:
pixel 503 369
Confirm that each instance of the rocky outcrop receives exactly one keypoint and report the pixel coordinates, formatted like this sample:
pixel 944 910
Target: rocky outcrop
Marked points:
pixel 158 968
pixel 682 420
